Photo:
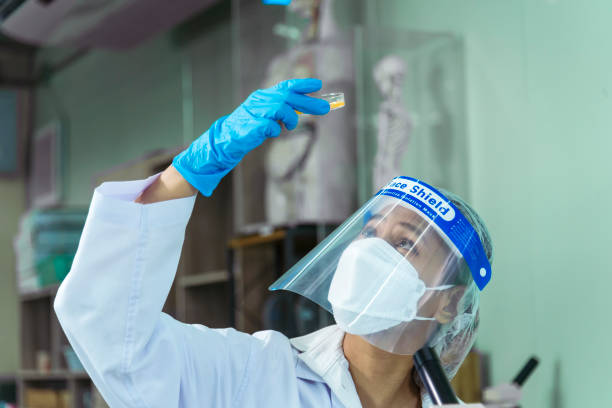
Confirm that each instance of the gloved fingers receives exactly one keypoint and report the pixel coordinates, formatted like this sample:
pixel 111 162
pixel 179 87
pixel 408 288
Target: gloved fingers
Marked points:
pixel 305 85
pixel 272 128
pixel 307 104
pixel 286 115
pixel 270 105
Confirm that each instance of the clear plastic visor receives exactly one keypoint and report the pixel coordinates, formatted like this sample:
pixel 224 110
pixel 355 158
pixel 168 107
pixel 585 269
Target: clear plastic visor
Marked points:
pixel 387 274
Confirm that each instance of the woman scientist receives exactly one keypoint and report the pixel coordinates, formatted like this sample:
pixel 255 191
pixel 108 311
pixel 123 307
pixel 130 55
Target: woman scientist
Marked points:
pixel 403 272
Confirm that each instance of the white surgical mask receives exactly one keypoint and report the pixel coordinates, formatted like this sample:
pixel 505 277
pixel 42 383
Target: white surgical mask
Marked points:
pixel 375 288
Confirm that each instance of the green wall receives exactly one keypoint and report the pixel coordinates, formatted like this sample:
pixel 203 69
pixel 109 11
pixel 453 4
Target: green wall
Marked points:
pixel 12 205
pixel 538 106
pixel 539 80
pixel 118 106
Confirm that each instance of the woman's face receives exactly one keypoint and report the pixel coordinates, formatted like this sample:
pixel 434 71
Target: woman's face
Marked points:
pixel 415 239
pixel 418 242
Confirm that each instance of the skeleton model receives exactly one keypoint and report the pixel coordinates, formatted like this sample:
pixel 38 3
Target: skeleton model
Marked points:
pixel 394 124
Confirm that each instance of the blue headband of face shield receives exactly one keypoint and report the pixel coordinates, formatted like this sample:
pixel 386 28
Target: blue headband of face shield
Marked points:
pixel 449 220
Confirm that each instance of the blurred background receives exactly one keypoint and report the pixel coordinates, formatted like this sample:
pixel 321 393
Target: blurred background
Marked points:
pixel 506 103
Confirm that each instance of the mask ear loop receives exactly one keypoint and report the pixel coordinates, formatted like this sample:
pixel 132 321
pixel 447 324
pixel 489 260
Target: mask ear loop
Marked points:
pixel 424 318
pixel 441 287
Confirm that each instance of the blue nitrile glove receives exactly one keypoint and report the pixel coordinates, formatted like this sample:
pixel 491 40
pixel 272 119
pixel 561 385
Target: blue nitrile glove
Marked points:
pixel 210 157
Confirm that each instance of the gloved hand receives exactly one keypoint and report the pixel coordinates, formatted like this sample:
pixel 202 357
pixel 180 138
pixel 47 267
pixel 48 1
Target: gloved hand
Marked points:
pixel 220 148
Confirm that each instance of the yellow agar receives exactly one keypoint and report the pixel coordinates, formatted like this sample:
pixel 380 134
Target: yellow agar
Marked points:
pixel 336 105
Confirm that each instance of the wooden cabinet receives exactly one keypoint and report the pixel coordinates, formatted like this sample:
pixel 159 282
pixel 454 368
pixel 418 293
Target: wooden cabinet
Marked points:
pixel 201 293
pixel 45 379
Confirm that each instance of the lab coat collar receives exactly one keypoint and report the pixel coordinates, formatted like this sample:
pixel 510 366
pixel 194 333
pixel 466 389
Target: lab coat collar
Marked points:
pixel 321 358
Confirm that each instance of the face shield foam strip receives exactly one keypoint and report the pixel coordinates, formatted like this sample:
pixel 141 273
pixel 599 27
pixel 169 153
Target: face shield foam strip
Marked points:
pixel 434 205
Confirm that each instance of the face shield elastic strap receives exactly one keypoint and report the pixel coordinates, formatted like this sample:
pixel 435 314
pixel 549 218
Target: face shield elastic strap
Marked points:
pixel 441 287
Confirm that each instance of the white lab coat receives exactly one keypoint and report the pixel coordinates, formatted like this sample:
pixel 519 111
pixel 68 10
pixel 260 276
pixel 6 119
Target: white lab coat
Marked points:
pixel 110 308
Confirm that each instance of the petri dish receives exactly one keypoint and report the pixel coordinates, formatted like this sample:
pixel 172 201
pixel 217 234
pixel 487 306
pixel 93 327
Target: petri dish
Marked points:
pixel 335 99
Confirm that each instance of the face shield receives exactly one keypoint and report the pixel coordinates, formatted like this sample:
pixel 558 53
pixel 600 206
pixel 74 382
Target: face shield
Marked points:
pixel 402 272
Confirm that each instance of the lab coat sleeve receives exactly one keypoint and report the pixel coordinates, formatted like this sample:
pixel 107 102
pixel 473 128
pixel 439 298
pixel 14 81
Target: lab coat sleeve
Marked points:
pixel 110 306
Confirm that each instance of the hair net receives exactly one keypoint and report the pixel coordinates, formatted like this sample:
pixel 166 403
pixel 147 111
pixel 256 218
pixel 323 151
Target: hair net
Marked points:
pixel 453 340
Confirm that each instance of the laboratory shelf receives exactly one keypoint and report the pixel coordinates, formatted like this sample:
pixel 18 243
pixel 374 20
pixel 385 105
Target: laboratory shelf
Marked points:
pixel 253 240
pixel 204 278
pixel 78 385
pixel 34 375
pixel 6 378
pixel 257 260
